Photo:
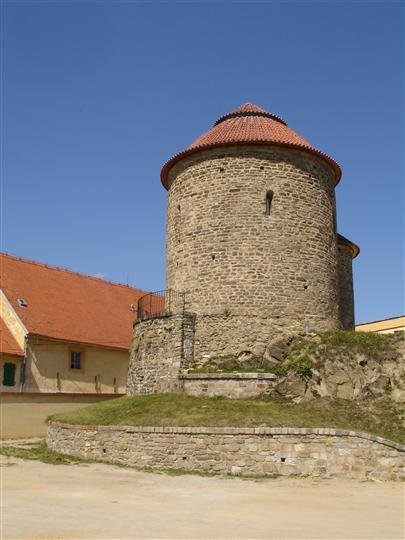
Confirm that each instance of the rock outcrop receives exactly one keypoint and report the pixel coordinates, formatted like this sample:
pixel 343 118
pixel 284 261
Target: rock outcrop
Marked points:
pixel 342 365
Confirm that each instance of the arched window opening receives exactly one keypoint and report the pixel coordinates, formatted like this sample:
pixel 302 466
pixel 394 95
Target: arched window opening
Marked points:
pixel 269 200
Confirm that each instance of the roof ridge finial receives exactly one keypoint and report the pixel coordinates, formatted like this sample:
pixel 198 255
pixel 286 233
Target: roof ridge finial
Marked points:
pixel 249 109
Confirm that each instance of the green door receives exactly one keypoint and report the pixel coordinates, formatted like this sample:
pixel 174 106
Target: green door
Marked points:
pixel 9 374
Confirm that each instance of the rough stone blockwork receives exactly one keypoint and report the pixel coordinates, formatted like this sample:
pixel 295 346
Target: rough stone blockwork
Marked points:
pixel 346 293
pixel 324 453
pixel 251 240
pixel 162 352
pixel 232 385
pixel 250 276
pixel 161 348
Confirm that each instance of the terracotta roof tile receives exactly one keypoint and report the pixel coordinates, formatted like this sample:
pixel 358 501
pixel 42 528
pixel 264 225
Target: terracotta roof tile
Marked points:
pixel 8 344
pixel 248 124
pixel 65 305
pixel 249 109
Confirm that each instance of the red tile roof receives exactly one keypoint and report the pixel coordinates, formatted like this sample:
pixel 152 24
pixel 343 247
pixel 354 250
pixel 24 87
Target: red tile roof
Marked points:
pixel 248 124
pixel 8 344
pixel 65 305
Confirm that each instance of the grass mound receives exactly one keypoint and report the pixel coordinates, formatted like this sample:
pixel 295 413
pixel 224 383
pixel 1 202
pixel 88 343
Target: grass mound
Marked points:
pixel 303 353
pixel 371 344
pixel 381 418
pixel 299 352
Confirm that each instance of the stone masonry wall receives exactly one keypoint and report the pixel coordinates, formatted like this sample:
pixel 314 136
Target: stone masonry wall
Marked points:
pixel 232 385
pixel 322 453
pixel 273 274
pixel 238 334
pixel 346 295
pixel 161 348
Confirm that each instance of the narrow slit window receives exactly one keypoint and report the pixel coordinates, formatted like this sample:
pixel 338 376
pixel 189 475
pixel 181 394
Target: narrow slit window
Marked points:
pixel 269 200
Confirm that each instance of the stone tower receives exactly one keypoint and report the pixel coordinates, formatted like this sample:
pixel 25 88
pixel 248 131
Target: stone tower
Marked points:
pixel 252 240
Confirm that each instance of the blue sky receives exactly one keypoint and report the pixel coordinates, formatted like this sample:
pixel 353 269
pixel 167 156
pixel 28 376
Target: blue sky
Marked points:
pixel 98 95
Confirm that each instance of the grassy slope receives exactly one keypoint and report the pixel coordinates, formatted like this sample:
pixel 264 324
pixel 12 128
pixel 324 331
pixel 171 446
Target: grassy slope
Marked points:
pixel 300 355
pixel 39 452
pixel 382 419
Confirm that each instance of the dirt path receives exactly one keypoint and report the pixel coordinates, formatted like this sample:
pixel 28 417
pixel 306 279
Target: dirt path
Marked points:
pixel 101 501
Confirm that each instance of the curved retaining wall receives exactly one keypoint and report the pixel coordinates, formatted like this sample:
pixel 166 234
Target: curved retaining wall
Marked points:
pixel 325 453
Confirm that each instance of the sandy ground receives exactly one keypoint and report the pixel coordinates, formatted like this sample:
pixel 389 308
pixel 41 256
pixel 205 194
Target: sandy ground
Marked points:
pixel 102 501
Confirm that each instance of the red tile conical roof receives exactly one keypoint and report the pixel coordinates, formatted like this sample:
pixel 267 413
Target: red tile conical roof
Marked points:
pixel 248 124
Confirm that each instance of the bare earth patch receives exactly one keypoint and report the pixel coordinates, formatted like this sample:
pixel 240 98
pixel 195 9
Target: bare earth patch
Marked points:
pixel 42 501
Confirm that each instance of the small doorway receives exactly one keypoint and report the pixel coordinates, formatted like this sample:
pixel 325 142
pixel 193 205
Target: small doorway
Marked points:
pixel 9 374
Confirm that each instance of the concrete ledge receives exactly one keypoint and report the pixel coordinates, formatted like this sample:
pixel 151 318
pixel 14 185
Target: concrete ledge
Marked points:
pixel 228 376
pixel 231 385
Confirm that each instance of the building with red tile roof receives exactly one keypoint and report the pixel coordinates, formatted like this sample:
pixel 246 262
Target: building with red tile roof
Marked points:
pixel 8 343
pixel 11 357
pixel 55 315
pixel 62 304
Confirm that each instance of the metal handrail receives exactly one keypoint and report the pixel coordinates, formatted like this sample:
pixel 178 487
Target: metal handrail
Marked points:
pixel 159 303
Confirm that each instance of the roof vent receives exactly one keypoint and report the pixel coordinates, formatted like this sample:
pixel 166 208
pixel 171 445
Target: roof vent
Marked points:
pixel 22 302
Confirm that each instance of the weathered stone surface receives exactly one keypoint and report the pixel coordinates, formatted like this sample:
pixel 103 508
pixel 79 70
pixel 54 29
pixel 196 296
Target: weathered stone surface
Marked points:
pixel 276 347
pixel 348 374
pixel 323 453
pixel 237 386
pixel 249 276
pixel 346 294
pixel 161 349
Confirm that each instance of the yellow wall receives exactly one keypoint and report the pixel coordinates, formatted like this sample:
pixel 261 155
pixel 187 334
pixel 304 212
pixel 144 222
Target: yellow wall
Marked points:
pixel 385 326
pixel 5 358
pixel 12 321
pixel 47 358
pixel 24 415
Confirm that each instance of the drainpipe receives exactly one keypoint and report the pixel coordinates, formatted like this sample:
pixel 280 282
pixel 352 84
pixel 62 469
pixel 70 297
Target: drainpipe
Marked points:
pixel 24 364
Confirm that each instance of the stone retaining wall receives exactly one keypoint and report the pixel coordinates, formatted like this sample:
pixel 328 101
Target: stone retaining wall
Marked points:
pixel 232 385
pixel 163 350
pixel 324 453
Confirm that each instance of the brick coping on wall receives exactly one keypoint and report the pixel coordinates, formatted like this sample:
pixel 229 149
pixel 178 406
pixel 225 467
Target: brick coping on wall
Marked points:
pixel 228 376
pixel 274 431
